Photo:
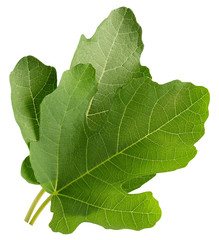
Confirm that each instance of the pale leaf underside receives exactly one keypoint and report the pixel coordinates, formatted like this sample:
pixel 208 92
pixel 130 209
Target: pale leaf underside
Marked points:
pixel 114 51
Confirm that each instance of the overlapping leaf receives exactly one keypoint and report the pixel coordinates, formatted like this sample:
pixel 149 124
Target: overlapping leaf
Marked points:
pixel 114 51
pixel 31 81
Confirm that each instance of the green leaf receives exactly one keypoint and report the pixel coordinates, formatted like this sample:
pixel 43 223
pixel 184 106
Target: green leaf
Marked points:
pixel 30 81
pixel 27 171
pixel 150 129
pixel 90 147
pixel 114 51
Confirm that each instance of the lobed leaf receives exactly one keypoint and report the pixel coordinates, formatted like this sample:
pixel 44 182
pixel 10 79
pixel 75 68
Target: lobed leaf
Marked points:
pixel 150 128
pixel 106 130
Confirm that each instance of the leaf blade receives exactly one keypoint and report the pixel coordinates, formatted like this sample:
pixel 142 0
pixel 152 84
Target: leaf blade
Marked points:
pixel 112 158
pixel 141 211
pixel 30 77
pixel 30 81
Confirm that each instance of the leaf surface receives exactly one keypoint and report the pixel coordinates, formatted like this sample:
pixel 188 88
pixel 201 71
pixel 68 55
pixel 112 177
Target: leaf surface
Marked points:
pixel 30 81
pixel 27 171
pixel 150 129
pixel 62 122
pixel 114 51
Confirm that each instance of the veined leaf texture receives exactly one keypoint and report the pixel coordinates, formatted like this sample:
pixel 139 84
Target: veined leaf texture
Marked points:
pixel 106 129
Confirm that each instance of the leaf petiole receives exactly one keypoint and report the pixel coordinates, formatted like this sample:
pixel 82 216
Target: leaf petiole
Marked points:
pixel 42 206
pixel 33 205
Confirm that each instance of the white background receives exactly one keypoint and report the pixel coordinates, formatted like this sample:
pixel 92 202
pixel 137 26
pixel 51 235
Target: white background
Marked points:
pixel 181 42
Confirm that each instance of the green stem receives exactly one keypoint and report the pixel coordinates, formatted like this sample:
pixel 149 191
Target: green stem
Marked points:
pixel 33 205
pixel 43 205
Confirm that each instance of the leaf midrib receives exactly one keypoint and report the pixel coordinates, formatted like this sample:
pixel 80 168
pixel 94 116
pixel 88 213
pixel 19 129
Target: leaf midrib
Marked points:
pixel 31 94
pixel 126 148
pixel 110 209
pixel 111 48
